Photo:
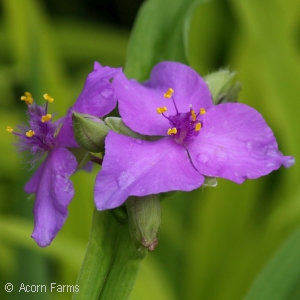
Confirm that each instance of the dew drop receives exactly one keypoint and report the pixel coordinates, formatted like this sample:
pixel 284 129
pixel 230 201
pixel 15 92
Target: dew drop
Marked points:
pixel 272 152
pixel 221 154
pixel 125 179
pixel 249 145
pixel 202 158
pixel 106 93
pixel 138 141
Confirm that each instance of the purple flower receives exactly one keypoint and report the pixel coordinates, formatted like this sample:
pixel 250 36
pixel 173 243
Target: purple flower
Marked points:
pixel 51 182
pixel 198 139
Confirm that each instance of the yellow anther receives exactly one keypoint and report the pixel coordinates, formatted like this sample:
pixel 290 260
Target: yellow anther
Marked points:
pixel 46 118
pixel 172 131
pixel 169 93
pixel 193 114
pixel 161 110
pixel 9 129
pixel 27 98
pixel 202 111
pixel 48 98
pixel 30 133
pixel 198 126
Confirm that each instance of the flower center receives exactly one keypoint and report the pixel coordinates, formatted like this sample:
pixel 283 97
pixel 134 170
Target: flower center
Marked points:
pixel 40 135
pixel 184 126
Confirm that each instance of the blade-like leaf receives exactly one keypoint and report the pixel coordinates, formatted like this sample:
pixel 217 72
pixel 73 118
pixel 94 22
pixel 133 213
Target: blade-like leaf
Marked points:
pixel 160 33
pixel 280 279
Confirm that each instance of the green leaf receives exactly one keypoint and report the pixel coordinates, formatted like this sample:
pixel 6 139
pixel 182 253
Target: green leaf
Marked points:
pixel 160 33
pixel 34 51
pixel 280 279
pixel 82 41
pixel 16 231
pixel 111 263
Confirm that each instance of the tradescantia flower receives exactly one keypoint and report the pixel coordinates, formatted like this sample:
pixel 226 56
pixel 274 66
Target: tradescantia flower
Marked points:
pixel 198 139
pixel 51 182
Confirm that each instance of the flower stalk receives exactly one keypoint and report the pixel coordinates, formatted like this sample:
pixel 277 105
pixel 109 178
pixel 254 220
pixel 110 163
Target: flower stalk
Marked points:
pixel 111 263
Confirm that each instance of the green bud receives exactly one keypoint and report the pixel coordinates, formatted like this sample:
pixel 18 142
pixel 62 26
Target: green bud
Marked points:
pixel 222 87
pixel 117 125
pixel 144 215
pixel 89 131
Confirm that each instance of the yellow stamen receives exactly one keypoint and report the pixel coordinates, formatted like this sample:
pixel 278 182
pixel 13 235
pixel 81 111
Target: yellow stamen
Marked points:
pixel 27 98
pixel 9 129
pixel 169 93
pixel 172 131
pixel 30 133
pixel 202 111
pixel 46 118
pixel 193 115
pixel 161 110
pixel 198 126
pixel 48 98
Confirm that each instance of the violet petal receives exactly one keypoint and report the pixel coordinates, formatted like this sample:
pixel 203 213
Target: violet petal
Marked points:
pixel 236 143
pixel 135 167
pixel 138 102
pixel 54 191
pixel 97 98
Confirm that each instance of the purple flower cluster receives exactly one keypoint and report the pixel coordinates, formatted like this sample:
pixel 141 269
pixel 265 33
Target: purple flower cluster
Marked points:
pixel 198 139
pixel 192 138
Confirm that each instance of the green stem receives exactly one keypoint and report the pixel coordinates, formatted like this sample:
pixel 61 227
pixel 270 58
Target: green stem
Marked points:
pixel 111 263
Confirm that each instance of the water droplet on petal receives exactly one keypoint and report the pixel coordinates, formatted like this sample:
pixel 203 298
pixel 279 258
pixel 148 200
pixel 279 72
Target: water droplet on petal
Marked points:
pixel 221 154
pixel 202 158
pixel 106 93
pixel 272 152
pixel 249 145
pixel 125 179
pixel 138 141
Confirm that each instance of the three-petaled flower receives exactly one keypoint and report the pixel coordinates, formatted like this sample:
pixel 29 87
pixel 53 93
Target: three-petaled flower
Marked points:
pixel 197 139
pixel 51 182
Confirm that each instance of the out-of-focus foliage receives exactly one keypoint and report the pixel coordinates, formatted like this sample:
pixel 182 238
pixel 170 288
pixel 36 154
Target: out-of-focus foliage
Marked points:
pixel 213 241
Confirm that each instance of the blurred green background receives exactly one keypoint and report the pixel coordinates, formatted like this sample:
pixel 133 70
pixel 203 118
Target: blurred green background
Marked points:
pixel 214 241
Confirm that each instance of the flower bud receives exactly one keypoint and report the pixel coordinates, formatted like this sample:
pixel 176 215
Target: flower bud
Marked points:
pixel 144 215
pixel 89 131
pixel 222 87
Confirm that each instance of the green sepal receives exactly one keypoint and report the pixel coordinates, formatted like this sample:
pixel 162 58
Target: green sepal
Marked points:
pixel 162 196
pixel 89 131
pixel 116 124
pixel 222 87
pixel 144 215
pixel 97 154
pixel 81 155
